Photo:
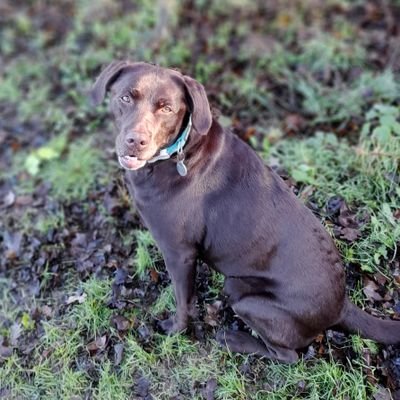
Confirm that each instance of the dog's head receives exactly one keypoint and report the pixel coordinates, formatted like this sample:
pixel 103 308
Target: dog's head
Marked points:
pixel 151 106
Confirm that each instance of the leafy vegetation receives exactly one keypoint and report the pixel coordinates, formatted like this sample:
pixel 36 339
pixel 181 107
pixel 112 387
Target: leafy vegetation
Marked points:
pixel 313 87
pixel 362 174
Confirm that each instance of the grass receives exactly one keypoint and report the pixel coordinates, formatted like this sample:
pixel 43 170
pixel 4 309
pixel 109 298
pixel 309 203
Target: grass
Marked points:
pixel 172 365
pixel 326 77
pixel 72 169
pixel 165 301
pixel 72 177
pixel 342 102
pixel 146 253
pixel 361 174
pixel 324 380
pixel 92 316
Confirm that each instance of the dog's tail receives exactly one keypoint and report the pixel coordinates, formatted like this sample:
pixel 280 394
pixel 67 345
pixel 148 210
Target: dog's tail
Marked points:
pixel 355 320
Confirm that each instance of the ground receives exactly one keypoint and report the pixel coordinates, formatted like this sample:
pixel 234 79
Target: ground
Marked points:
pixel 313 86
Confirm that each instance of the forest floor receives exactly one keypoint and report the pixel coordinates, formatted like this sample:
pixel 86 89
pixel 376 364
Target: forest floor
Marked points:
pixel 313 86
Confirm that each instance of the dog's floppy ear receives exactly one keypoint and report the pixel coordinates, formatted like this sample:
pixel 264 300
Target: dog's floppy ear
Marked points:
pixel 198 105
pixel 105 79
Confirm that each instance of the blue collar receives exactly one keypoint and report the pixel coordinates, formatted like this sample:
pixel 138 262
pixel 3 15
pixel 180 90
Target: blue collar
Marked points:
pixel 175 147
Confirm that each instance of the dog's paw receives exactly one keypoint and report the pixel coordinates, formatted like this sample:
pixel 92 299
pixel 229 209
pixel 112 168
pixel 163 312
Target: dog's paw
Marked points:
pixel 171 326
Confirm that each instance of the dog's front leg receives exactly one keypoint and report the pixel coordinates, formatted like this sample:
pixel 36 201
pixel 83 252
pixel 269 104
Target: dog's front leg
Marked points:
pixel 181 266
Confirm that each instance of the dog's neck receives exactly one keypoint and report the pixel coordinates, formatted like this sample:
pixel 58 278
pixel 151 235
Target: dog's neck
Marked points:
pixel 176 148
pixel 198 152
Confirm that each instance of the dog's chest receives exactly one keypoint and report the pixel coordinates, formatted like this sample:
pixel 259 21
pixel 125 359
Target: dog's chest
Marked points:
pixel 169 209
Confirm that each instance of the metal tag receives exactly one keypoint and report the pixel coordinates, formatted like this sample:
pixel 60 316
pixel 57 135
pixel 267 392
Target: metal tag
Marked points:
pixel 181 168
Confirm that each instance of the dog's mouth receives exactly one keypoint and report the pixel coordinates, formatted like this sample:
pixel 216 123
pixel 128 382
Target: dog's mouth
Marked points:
pixel 131 163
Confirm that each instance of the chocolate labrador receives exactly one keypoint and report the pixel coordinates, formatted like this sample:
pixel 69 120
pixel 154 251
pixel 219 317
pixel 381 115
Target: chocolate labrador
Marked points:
pixel 204 193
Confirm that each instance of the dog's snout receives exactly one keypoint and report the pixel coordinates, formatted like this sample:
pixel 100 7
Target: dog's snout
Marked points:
pixel 135 140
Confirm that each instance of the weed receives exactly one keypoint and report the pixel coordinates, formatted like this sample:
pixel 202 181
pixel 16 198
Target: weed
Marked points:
pixel 51 221
pixel 360 174
pixel 138 359
pixel 232 384
pixel 359 344
pixel 111 386
pixel 216 284
pixel 305 70
pixel 357 295
pixel 321 380
pixel 146 253
pixel 340 102
pixel 92 316
pixel 72 178
pixel 165 301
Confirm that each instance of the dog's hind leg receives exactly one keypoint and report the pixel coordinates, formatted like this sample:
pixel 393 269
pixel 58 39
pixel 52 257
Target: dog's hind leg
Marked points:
pixel 277 330
pixel 242 342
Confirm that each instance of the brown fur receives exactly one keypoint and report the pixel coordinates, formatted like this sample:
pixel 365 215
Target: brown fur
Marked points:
pixel 284 276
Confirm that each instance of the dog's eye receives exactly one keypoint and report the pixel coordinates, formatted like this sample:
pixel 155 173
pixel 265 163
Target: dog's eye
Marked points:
pixel 126 99
pixel 166 109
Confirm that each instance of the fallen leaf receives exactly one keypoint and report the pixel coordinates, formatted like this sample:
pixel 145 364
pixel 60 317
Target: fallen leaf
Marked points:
pixel 12 241
pixel 333 205
pixel 80 298
pixel 24 200
pixel 47 311
pixel 3 135
pixel 98 344
pixel 306 193
pixel 212 313
pixel 80 240
pixel 154 275
pixel 142 387
pixel 209 390
pixel 311 352
pixel 319 338
pixel 350 234
pixel 112 204
pixel 118 350
pixel 120 322
pixel 370 290
pixel 15 333
pixel 380 278
pixel 144 332
pixel 8 200
pixel 347 218
pixel 382 394
pixel 121 276
pixel 294 123
pixel 5 352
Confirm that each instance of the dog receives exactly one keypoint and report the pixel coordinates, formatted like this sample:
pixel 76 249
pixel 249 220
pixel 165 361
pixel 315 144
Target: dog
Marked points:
pixel 205 194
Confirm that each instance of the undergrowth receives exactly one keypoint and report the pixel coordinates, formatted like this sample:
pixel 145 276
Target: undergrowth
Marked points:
pixel 363 174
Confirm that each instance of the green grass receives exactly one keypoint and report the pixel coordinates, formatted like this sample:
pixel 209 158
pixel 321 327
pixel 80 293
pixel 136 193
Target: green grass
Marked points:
pixel 71 168
pixel 361 174
pixel 146 254
pixel 359 345
pixel 91 315
pixel 306 70
pixel 323 380
pixel 73 176
pixel 165 301
pixel 172 364
pixel 342 102
pixel 42 222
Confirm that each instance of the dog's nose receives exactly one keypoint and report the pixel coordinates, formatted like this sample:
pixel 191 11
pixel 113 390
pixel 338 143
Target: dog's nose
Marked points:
pixel 136 140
